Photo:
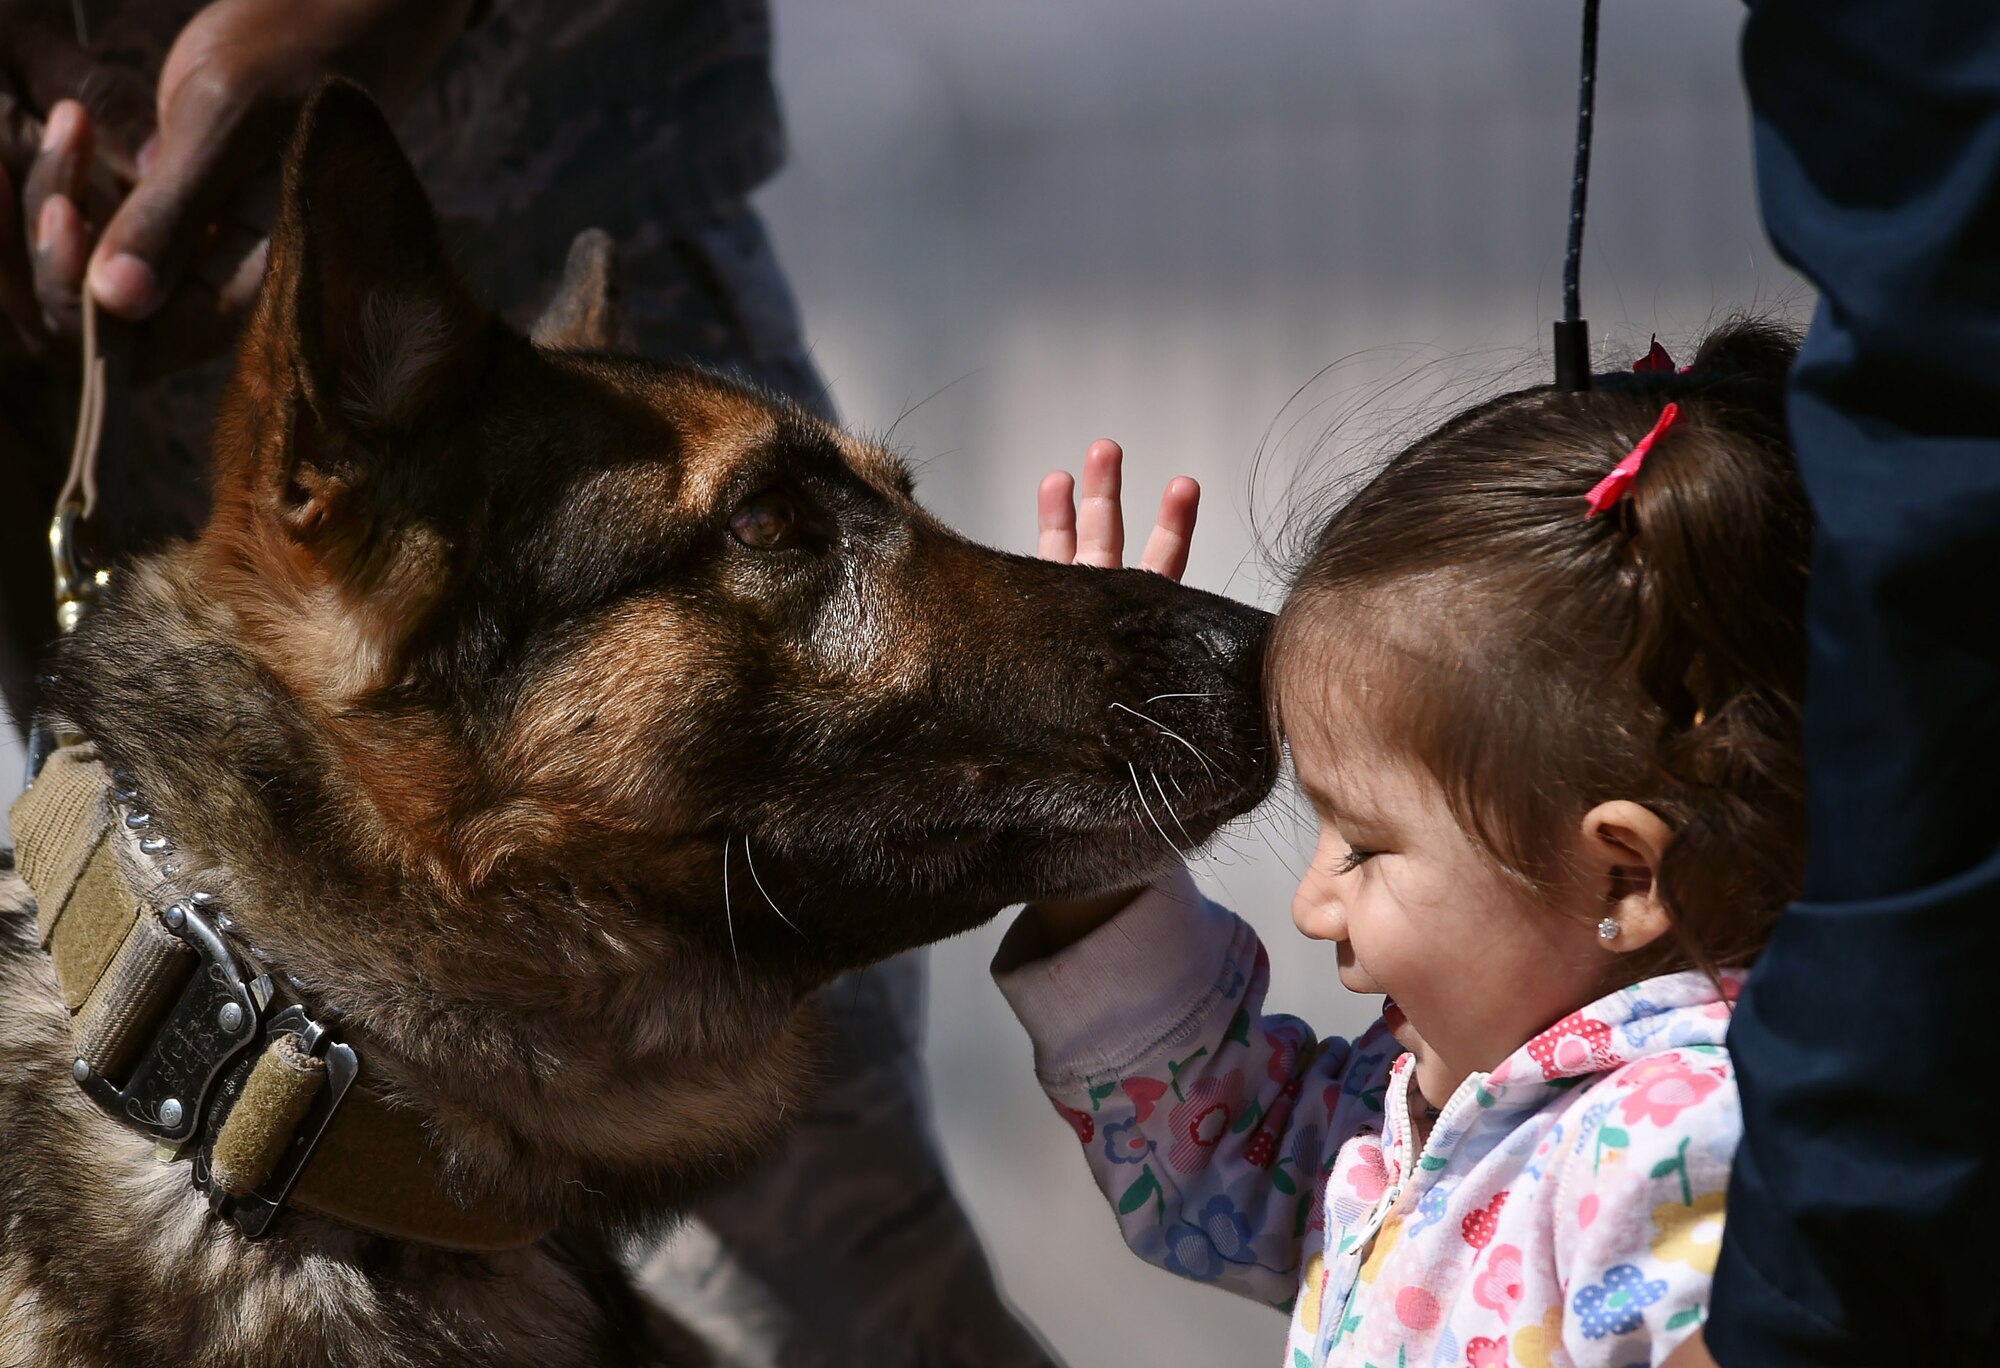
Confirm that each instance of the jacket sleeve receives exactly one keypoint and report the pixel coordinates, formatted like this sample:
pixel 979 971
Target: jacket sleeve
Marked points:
pixel 1639 1202
pixel 1863 1203
pixel 1208 1124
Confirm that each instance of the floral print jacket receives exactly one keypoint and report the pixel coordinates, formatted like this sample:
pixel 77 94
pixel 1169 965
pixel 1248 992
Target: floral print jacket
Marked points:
pixel 1564 1213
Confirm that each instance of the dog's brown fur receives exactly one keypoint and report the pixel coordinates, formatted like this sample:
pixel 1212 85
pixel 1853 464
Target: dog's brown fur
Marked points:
pixel 486 716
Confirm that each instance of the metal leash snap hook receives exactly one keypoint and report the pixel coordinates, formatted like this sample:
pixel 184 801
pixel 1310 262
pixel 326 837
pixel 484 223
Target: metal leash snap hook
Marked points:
pixel 77 586
pixel 77 589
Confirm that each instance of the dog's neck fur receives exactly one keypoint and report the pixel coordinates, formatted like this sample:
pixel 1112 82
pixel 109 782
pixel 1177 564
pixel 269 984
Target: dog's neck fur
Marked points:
pixel 579 1036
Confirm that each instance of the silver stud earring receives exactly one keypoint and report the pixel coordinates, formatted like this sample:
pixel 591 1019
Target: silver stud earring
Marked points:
pixel 1607 930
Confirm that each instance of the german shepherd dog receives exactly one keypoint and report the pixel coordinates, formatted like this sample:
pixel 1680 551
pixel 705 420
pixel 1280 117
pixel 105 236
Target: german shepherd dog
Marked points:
pixel 556 722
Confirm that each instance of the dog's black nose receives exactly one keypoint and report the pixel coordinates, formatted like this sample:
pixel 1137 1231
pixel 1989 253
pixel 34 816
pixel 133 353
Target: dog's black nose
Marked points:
pixel 1233 638
pixel 1222 644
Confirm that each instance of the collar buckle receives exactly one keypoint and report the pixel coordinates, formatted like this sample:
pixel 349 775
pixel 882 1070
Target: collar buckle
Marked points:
pixel 254 1210
pixel 165 1093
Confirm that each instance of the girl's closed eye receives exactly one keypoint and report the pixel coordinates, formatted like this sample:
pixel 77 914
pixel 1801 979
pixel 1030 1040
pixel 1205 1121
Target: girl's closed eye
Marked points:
pixel 1353 860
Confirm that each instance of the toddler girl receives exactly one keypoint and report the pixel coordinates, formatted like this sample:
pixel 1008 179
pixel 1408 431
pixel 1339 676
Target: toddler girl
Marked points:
pixel 1540 681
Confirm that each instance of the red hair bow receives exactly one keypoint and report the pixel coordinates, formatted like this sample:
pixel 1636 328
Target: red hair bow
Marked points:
pixel 1654 360
pixel 1612 487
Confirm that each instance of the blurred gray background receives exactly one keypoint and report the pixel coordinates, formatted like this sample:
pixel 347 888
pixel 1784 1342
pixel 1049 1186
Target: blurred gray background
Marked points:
pixel 1257 243
pixel 1254 242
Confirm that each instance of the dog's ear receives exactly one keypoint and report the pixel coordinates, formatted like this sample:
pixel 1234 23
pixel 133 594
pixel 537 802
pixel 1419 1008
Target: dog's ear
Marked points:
pixel 362 331
pixel 354 374
pixel 588 310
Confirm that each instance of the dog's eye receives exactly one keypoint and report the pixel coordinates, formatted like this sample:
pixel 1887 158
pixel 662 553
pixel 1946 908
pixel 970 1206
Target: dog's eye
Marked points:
pixel 766 522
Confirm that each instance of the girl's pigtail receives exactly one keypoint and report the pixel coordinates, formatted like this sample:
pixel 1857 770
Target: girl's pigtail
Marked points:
pixel 1718 645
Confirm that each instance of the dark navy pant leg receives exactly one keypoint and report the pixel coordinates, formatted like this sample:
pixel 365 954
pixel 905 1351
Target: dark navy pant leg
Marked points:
pixel 1863 1213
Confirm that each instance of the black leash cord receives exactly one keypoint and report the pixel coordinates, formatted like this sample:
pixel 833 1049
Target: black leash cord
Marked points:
pixel 1572 333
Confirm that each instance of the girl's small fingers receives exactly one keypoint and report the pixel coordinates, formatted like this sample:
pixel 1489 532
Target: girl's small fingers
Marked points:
pixel 1100 517
pixel 1167 548
pixel 1055 516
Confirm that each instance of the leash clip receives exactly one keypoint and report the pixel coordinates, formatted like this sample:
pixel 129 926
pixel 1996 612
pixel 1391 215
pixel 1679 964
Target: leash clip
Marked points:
pixel 77 588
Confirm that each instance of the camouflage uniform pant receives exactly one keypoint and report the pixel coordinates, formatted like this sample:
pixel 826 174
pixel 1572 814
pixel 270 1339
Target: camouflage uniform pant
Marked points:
pixel 848 1247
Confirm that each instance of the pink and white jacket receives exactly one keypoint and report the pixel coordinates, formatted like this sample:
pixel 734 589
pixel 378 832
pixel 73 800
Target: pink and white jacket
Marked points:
pixel 1564 1213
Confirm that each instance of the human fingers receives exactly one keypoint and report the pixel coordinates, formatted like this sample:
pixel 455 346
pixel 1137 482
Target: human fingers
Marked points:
pixel 20 129
pixel 1055 516
pixel 119 100
pixel 1100 517
pixel 1167 548
pixel 207 144
pixel 229 92
pixel 49 206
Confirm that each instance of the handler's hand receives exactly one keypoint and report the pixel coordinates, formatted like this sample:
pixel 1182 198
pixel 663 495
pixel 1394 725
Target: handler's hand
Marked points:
pixel 44 232
pixel 1095 535
pixel 184 249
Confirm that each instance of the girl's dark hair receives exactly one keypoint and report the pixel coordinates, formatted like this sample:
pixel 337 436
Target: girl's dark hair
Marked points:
pixel 1538 662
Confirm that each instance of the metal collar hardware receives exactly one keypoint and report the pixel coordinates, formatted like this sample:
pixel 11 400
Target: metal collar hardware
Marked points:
pixel 181 1035
pixel 254 1211
pixel 165 1094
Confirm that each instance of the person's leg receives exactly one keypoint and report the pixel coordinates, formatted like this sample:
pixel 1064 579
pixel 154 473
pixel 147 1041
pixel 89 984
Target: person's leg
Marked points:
pixel 1864 1194
pixel 712 292
pixel 848 1246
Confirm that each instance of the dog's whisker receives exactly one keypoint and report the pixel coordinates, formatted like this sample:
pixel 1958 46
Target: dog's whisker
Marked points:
pixel 1157 697
pixel 1140 790
pixel 767 897
pixel 890 436
pixel 1155 777
pixel 1206 764
pixel 728 916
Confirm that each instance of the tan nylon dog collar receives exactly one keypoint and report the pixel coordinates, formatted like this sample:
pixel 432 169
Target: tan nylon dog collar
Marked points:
pixel 212 1064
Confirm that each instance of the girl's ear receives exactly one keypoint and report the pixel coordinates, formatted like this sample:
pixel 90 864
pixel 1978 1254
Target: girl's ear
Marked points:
pixel 1623 844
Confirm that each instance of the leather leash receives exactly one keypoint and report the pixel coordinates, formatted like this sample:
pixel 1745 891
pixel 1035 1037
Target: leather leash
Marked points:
pixel 75 587
pixel 77 584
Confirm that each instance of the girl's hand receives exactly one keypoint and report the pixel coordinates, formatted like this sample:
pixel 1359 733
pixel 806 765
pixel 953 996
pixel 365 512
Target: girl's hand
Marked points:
pixel 1095 535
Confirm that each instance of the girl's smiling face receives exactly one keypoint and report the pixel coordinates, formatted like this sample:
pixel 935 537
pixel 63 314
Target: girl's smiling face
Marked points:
pixel 1474 964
